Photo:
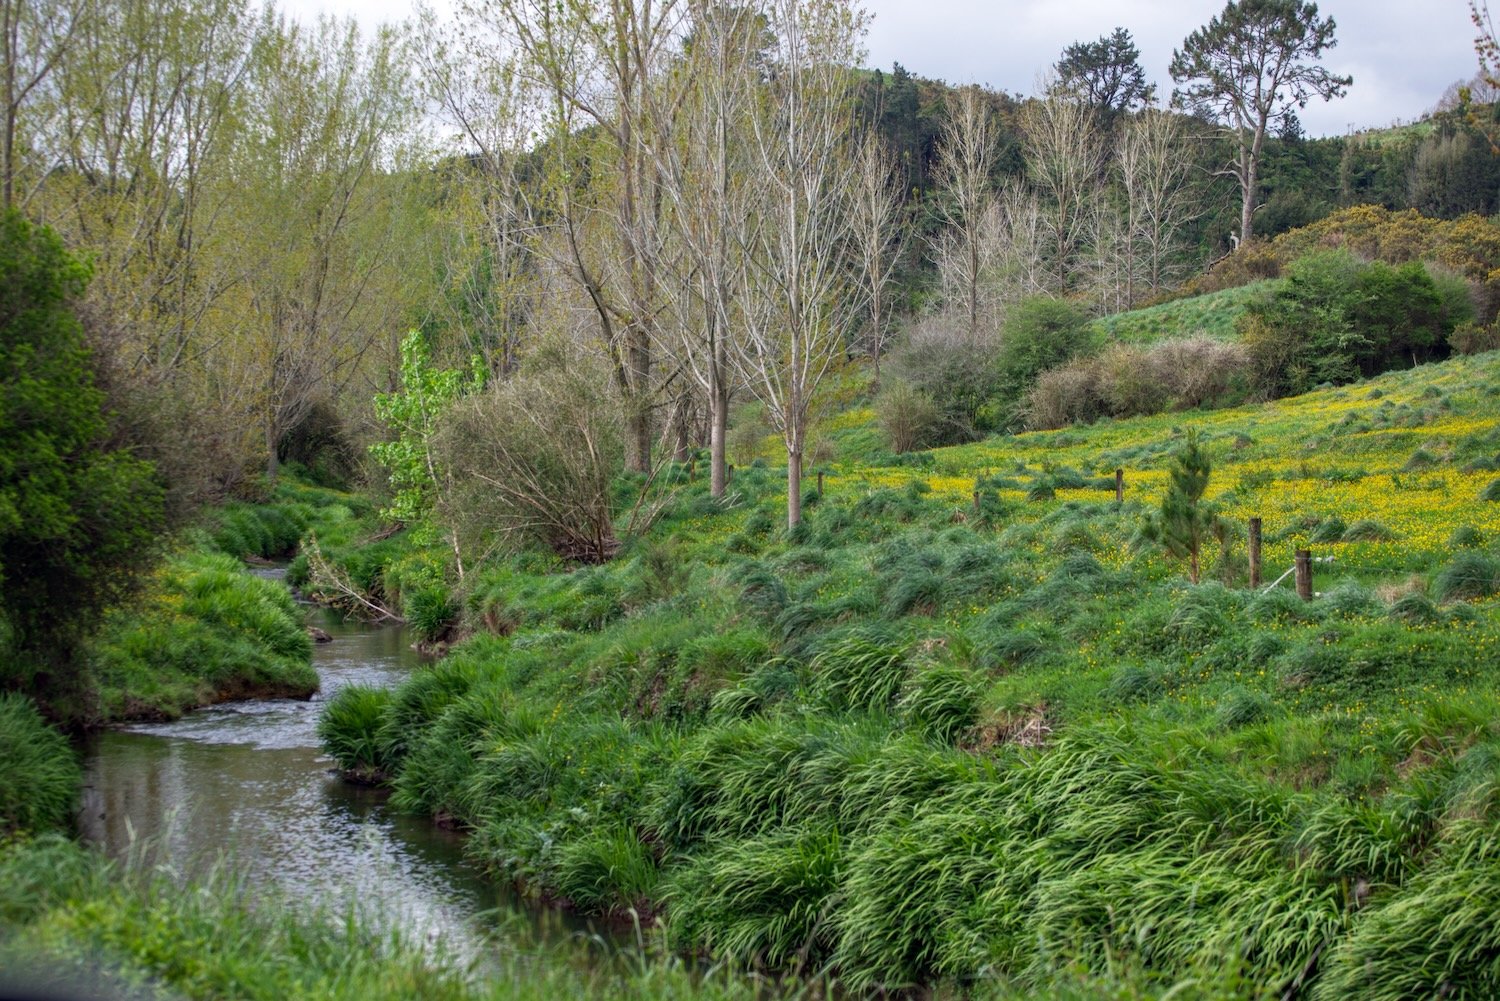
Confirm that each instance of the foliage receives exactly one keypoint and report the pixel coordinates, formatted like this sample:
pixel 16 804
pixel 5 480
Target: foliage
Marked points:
pixel 77 517
pixel 1106 73
pixel 1039 334
pixel 40 782
pixel 534 458
pixel 413 415
pixel 1334 318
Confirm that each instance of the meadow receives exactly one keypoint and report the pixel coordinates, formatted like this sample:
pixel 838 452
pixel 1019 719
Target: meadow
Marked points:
pixel 1005 745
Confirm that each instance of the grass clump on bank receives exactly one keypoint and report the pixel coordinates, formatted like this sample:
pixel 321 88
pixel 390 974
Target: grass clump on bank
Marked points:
pixel 205 631
pixel 74 922
pixel 40 779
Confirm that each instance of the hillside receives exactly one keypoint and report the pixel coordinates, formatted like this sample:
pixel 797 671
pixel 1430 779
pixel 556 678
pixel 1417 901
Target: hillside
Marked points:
pixel 1069 753
pixel 1213 314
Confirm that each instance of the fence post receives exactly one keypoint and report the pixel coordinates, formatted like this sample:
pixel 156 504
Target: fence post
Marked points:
pixel 1304 574
pixel 976 501
pixel 1255 552
pixel 729 474
pixel 1119 486
pixel 820 484
pixel 693 471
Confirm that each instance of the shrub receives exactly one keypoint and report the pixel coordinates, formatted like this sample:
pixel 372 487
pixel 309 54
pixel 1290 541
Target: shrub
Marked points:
pixel 1491 492
pixel 907 415
pixel 514 451
pixel 958 375
pixel 1040 333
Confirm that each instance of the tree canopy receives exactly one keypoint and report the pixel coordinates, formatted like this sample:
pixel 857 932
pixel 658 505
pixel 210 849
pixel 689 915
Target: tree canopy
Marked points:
pixel 1106 74
pixel 1250 67
pixel 76 516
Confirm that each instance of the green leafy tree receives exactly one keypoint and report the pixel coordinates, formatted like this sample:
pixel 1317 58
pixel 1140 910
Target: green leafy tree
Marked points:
pixel 1106 74
pixel 1251 67
pixel 1186 522
pixel 77 517
pixel 412 415
pixel 1040 333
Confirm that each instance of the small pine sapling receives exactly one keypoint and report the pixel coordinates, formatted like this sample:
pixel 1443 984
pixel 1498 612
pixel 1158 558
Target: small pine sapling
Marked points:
pixel 1185 521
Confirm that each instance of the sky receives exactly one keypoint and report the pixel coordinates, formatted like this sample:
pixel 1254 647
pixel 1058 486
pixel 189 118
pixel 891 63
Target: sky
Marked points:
pixel 1402 54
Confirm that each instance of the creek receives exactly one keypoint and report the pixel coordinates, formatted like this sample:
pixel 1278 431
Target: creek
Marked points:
pixel 245 784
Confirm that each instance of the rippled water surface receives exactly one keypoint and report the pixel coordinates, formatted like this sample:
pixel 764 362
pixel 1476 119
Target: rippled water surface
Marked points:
pixel 246 782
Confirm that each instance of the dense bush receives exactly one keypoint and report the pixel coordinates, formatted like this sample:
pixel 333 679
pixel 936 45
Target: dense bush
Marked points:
pixel 907 415
pixel 1335 317
pixel 956 373
pixel 534 458
pixel 78 515
pixel 1128 380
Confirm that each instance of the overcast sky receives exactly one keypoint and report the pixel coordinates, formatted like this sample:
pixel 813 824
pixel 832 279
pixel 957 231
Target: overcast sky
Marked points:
pixel 1402 54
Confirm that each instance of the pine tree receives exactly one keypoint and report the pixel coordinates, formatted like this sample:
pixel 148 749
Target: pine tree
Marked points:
pixel 1185 521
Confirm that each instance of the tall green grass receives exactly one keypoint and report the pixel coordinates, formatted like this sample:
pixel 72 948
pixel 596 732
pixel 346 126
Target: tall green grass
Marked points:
pixel 40 778
pixel 205 630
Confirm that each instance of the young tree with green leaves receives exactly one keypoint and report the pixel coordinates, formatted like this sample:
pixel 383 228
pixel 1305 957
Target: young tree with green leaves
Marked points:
pixel 1248 69
pixel 410 458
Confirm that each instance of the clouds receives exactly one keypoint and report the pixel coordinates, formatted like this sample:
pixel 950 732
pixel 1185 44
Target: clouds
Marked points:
pixel 1402 55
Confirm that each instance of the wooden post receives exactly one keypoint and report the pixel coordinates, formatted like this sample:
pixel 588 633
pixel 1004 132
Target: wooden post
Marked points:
pixel 693 471
pixel 976 501
pixel 1304 574
pixel 729 474
pixel 820 484
pixel 1255 552
pixel 1119 486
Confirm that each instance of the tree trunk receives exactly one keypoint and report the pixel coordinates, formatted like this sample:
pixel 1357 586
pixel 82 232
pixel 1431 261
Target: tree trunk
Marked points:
pixel 682 428
pixel 273 460
pixel 718 420
pixel 793 488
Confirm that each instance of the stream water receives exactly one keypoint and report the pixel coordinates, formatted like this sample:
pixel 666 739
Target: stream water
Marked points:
pixel 244 783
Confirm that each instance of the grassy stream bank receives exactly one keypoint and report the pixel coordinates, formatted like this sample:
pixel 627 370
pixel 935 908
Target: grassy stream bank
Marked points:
pixel 918 741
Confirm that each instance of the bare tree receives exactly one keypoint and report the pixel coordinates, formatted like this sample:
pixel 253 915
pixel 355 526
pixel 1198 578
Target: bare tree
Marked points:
pixel 880 238
pixel 1155 174
pixel 599 63
pixel 965 159
pixel 799 302
pixel 35 36
pixel 1065 158
pixel 704 156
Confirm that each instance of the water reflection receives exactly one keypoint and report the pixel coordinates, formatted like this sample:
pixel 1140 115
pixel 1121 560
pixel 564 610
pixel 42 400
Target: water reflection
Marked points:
pixel 245 782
